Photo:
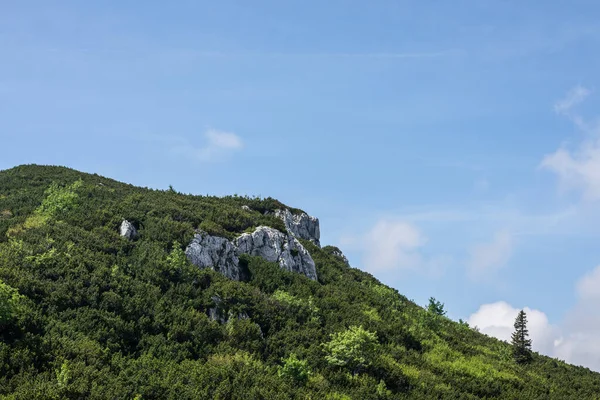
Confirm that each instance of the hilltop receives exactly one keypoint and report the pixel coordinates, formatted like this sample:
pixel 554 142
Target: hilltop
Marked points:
pixel 111 291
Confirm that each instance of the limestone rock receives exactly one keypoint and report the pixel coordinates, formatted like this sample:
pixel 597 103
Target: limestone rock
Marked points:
pixel 302 226
pixel 246 208
pixel 220 254
pixel 206 251
pixel 127 230
pixel 275 246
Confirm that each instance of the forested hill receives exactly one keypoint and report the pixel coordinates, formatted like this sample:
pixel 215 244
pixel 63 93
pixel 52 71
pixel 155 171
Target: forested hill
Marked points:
pixel 88 311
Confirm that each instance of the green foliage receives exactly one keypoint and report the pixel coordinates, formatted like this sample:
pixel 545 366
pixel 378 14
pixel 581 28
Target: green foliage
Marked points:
pixel 382 390
pixel 295 369
pixel 10 302
pixel 63 375
pixel 176 260
pixel 288 299
pixel 353 348
pixel 59 200
pixel 521 345
pixel 436 307
pixel 87 314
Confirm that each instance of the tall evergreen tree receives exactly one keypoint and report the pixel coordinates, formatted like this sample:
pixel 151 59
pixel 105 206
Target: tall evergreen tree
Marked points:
pixel 520 342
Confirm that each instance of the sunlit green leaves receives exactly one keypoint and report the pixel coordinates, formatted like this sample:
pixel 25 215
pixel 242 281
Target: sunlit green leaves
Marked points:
pixel 353 348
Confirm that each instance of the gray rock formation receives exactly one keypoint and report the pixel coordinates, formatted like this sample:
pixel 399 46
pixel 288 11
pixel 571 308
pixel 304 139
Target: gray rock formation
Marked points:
pixel 246 208
pixel 220 254
pixel 302 226
pixel 127 230
pixel 206 251
pixel 275 246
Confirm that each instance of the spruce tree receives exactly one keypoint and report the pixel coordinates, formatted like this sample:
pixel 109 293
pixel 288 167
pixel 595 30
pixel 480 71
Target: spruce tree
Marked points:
pixel 520 342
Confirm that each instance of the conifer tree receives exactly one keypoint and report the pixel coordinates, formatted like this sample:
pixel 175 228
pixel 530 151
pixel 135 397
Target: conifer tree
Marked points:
pixel 520 342
pixel 436 307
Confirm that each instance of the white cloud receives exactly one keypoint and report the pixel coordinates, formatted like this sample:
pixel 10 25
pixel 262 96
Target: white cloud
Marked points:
pixel 561 221
pixel 487 258
pixel 575 96
pixel 576 340
pixel 392 244
pixel 497 320
pixel 223 140
pixel 581 342
pixel 218 145
pixel 577 168
pixel 588 287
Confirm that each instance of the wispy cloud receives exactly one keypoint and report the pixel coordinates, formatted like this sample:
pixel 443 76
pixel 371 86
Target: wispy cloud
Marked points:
pixel 588 287
pixel 393 245
pixel 577 168
pixel 575 96
pixel 580 340
pixel 389 245
pixel 217 146
pixel 486 258
pixel 494 215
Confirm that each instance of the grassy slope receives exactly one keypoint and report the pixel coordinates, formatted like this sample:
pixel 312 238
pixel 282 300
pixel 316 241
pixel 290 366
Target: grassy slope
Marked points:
pixel 103 317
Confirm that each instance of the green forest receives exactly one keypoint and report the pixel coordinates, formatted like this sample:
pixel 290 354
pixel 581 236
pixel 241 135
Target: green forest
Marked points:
pixel 88 314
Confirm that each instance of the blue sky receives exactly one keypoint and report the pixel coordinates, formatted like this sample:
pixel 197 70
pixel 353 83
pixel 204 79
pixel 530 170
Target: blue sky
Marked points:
pixel 449 148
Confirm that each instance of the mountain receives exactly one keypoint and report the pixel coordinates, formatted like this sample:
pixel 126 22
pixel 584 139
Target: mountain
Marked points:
pixel 111 291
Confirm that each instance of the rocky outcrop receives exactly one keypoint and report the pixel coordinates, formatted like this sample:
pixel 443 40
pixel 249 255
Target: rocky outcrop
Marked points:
pixel 220 254
pixel 127 230
pixel 275 246
pixel 206 251
pixel 303 226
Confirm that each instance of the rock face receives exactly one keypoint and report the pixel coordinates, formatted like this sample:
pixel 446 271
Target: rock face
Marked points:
pixel 275 246
pixel 127 230
pixel 220 254
pixel 214 252
pixel 302 226
pixel 246 208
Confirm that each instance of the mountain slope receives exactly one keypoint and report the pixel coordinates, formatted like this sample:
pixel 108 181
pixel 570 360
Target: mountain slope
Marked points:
pixel 103 317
